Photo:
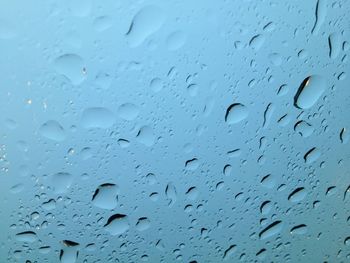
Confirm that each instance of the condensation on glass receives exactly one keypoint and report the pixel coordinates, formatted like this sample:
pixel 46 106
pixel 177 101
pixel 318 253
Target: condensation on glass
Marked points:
pixel 174 131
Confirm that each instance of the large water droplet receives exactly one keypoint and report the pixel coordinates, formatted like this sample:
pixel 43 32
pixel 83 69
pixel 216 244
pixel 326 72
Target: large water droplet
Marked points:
pixel 309 92
pixel 256 42
pixel 27 236
pixel 69 253
pixel 271 230
pixel 128 111
pixel 52 130
pixel 299 230
pixel 117 224
pixel 143 224
pixel 61 182
pixel 236 113
pixel 175 40
pixel 146 22
pixel 146 136
pixel 303 128
pixel 97 117
pixel 312 155
pixel 297 195
pixel 105 196
pixel 171 194
pixel 72 67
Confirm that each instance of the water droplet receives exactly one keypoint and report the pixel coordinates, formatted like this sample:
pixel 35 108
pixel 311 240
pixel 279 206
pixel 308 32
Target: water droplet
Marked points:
pixel 123 143
pixel 143 224
pixel 320 15
pixel 146 22
pixel 236 113
pixel 192 193
pixel 335 45
pixel 256 42
pixel 17 188
pixel 344 135
pixel 309 92
pixel 228 252
pixel 97 117
pixel 268 114
pixel 312 155
pixel 61 182
pixel 170 192
pixel 52 130
pixel 105 196
pixel 266 207
pixel 72 67
pixel 103 80
pixel 102 23
pixel 117 224
pixel 271 230
pixel 80 8
pixel 299 230
pixel 146 136
pixel 268 181
pixel 175 40
pixel 128 111
pixel 27 236
pixel 156 84
pixel 303 128
pixel 297 195
pixel 192 165
pixel 276 59
pixel 69 253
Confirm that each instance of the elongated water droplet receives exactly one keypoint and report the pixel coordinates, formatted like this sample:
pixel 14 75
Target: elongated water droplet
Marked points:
pixel 27 236
pixel 312 155
pixel 335 45
pixel 297 195
pixel 271 230
pixel 320 15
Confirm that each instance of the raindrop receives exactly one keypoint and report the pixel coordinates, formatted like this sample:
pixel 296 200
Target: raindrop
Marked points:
pixel 170 192
pixel 117 224
pixel 97 117
pixel 271 230
pixel 335 45
pixel 256 42
pixel 236 113
pixel 143 224
pixel 320 15
pixel 297 195
pixel 72 67
pixel 312 155
pixel 52 130
pixel 146 22
pixel 69 253
pixel 309 92
pixel 146 136
pixel 303 128
pixel 175 40
pixel 27 236
pixel 128 111
pixel 105 196
pixel 299 230
pixel 61 182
